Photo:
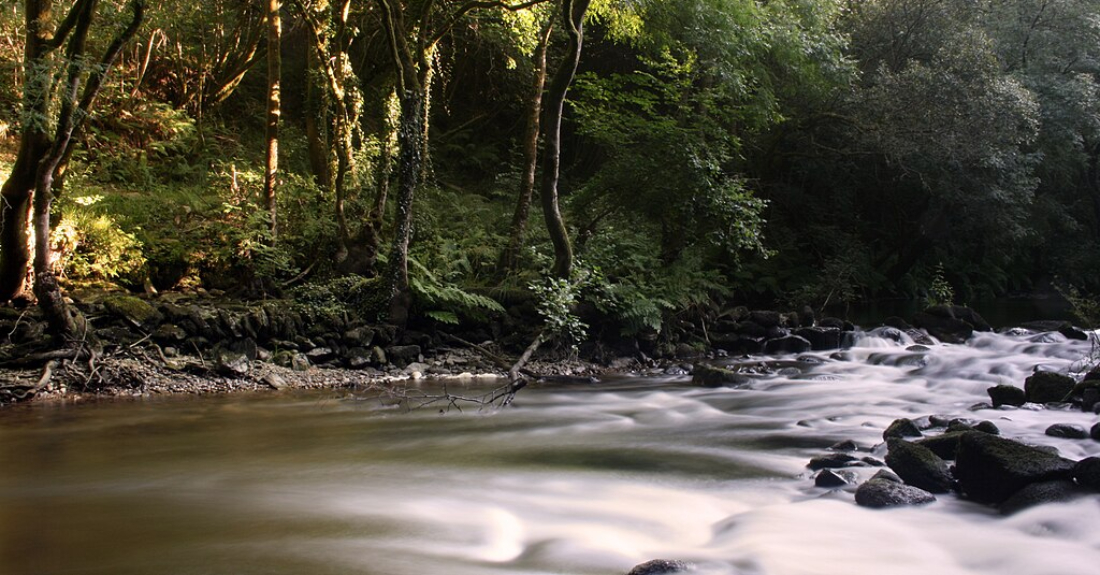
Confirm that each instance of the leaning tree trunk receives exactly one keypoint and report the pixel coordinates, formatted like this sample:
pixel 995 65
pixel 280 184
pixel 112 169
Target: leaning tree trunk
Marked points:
pixel 274 111
pixel 510 256
pixel 573 13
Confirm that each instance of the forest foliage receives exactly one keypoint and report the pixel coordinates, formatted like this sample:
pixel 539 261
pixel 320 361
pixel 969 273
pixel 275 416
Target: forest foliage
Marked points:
pixel 713 153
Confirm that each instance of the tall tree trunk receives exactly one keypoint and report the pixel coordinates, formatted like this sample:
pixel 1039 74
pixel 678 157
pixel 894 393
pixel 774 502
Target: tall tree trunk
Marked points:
pixel 34 142
pixel 573 12
pixel 317 121
pixel 510 256
pixel 274 111
pixel 410 163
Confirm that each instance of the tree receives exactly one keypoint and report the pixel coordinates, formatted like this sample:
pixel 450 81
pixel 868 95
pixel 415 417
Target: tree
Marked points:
pixel 274 111
pixel 572 12
pixel 42 155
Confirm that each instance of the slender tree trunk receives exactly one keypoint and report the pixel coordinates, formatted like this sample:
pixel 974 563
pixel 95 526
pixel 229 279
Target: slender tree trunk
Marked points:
pixel 510 256
pixel 410 163
pixel 573 12
pixel 274 111
pixel 316 122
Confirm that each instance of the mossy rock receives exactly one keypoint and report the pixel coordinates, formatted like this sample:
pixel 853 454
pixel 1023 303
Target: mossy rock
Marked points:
pixel 135 311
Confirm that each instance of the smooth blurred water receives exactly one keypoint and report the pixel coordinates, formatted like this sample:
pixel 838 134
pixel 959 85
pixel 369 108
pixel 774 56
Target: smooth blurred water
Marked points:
pixel 584 479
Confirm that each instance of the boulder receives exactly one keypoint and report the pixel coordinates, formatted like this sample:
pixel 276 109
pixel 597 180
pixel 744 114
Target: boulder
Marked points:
pixel 1055 491
pixel 136 312
pixel 945 446
pixel 711 376
pixel 989 469
pixel 879 493
pixel 918 466
pixel 766 318
pixel 846 445
pixel 787 344
pixel 1073 333
pixel 660 567
pixel 1048 387
pixel 1087 473
pixel 232 363
pixel 947 330
pixel 903 427
pixel 358 357
pixel 987 427
pixel 1068 431
pixel 403 354
pixel 1007 395
pixel 820 338
pixel 1095 432
pixel 274 381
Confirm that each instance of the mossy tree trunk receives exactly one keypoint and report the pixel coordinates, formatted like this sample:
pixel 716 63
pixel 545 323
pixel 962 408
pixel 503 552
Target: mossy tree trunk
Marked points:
pixel 573 12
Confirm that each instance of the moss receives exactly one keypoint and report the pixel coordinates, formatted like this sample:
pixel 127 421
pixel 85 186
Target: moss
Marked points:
pixel 131 309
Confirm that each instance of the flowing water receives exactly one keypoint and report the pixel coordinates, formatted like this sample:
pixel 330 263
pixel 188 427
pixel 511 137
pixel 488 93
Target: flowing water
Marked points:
pixel 582 479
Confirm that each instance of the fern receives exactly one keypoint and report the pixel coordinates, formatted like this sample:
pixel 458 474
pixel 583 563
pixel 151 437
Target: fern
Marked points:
pixel 447 301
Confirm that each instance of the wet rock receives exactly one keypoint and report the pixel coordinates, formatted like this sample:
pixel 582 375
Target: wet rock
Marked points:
pixel 1073 333
pixel 765 318
pixel 787 344
pixel 1087 473
pixel 945 446
pixel 918 466
pixel 846 445
pixel 830 478
pixel 1090 398
pixel 1048 387
pixel 987 427
pixel 950 323
pixel 881 493
pixel 871 461
pixel 918 348
pixel 1095 432
pixel 1056 491
pixel 832 461
pixel 1067 430
pixel 1007 395
pixel 660 567
pixel 887 475
pixel 989 469
pixel 711 376
pixel 897 323
pixel 903 427
pixel 820 338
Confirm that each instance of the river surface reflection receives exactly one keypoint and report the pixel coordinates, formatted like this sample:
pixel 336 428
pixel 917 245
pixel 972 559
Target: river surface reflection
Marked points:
pixel 584 479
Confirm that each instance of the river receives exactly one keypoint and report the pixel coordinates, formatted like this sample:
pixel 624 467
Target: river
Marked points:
pixel 580 479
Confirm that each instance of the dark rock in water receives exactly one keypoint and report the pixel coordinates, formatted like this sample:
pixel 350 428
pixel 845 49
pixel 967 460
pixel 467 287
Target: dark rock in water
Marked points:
pixel 988 427
pixel 711 376
pixel 1087 473
pixel 918 348
pixel 903 427
pixel 1044 325
pixel 832 322
pixel 1090 398
pixel 1095 432
pixel 402 355
pixel 1007 395
pixel 830 478
pixel 872 461
pixel 1067 430
pixel 1048 387
pixel 918 466
pixel 1073 333
pixel 806 317
pixel 880 493
pixel 959 424
pixel 989 469
pixel 832 461
pixel 787 344
pixel 945 446
pixel 660 567
pixel 846 445
pixel 887 475
pixel 820 338
pixel 1056 491
pixel 947 330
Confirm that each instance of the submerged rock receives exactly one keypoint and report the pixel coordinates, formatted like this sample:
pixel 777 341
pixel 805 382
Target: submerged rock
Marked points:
pixel 1048 387
pixel 919 466
pixel 711 376
pixel 1067 430
pixel 833 461
pixel 1056 491
pixel 830 478
pixel 989 469
pixel 878 493
pixel 660 567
